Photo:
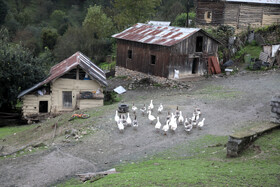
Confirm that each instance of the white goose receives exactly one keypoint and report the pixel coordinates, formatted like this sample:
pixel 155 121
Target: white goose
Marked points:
pixel 151 106
pixel 143 110
pixel 188 128
pixel 165 128
pixel 123 119
pixel 168 116
pixel 160 108
pixel 135 123
pixel 128 120
pixel 117 118
pixel 151 117
pixel 198 111
pixel 120 125
pixel 173 123
pixel 134 108
pixel 201 123
pixel 177 113
pixel 158 124
pixel 181 118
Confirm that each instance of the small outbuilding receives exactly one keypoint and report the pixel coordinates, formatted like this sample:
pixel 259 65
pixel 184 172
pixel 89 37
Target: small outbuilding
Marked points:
pixel 160 50
pixel 74 83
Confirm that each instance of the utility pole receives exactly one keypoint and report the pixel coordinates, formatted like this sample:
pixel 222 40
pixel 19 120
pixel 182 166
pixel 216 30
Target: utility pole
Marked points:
pixel 187 21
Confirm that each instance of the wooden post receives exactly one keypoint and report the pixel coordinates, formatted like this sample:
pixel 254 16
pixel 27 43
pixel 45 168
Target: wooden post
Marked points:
pixel 77 73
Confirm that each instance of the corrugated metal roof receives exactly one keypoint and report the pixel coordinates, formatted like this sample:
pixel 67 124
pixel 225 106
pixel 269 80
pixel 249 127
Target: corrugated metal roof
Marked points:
pixel 256 1
pixel 68 64
pixel 162 23
pixel 153 34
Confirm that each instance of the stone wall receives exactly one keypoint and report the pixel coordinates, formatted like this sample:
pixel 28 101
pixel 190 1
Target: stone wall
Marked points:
pixel 275 109
pixel 139 77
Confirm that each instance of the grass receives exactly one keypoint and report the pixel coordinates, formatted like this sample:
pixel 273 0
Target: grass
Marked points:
pixel 107 66
pixel 216 92
pixel 253 50
pixel 201 163
pixel 10 130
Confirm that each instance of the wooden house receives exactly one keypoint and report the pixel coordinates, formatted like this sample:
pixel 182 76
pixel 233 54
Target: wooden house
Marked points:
pixel 159 50
pixel 75 83
pixel 238 13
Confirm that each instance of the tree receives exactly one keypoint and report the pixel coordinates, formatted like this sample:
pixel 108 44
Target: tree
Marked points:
pixel 181 19
pixel 49 37
pixel 129 12
pixel 3 11
pixel 59 21
pixel 19 70
pixel 97 24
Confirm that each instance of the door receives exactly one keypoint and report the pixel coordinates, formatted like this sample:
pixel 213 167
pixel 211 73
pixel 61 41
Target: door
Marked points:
pixel 195 65
pixel 67 99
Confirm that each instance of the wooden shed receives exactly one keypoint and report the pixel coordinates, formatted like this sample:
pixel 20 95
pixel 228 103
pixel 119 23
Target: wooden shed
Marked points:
pixel 238 13
pixel 159 50
pixel 75 83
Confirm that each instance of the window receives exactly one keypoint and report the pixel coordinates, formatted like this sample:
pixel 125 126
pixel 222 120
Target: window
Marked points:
pixel 199 41
pixel 67 99
pixel 129 54
pixel 153 59
pixel 43 107
pixel 209 15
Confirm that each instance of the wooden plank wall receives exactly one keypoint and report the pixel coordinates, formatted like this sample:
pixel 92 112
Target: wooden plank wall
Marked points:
pixel 141 57
pixel 216 7
pixel 231 14
pixel 271 15
pixel 76 86
pixel 250 14
pixel 31 103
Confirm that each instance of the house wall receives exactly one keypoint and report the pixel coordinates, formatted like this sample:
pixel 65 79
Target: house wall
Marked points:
pixel 55 100
pixel 31 104
pixel 141 57
pixel 236 14
pixel 184 54
pixel 76 86
pixel 215 8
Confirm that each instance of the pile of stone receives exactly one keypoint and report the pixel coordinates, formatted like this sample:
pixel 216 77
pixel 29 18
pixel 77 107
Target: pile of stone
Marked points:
pixel 275 109
pixel 141 79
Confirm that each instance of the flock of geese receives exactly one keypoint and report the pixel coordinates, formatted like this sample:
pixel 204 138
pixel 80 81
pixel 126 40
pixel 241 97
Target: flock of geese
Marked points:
pixel 172 120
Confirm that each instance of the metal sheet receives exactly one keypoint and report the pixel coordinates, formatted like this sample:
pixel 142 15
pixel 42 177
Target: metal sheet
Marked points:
pixel 68 64
pixel 256 1
pixel 155 34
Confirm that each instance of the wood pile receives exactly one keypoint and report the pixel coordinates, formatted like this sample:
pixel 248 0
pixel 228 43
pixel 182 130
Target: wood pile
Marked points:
pixel 275 109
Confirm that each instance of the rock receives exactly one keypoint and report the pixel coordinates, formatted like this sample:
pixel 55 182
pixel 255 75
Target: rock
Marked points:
pixel 73 132
pixel 84 133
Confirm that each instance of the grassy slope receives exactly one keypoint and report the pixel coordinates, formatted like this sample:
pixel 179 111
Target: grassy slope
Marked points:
pixel 202 163
pixel 7 131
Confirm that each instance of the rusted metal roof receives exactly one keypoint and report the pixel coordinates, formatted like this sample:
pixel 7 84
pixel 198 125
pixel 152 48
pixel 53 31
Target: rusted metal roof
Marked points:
pixel 162 23
pixel 155 34
pixel 68 64
pixel 256 1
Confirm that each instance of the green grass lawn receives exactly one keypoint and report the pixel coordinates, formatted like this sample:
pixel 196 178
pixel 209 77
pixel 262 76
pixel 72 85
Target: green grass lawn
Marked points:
pixel 201 163
pixel 9 130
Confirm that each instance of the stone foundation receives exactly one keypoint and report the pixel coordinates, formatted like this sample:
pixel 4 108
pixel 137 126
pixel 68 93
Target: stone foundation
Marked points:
pixel 139 77
pixel 275 109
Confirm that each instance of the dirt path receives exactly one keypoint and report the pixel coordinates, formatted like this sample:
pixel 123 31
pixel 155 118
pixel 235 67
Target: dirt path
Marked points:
pixel 226 103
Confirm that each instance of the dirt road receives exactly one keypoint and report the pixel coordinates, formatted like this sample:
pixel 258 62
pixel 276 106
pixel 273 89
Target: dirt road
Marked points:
pixel 227 103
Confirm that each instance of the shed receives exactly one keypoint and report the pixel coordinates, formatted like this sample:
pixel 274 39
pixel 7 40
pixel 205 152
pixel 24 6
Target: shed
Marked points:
pixel 159 50
pixel 238 13
pixel 74 83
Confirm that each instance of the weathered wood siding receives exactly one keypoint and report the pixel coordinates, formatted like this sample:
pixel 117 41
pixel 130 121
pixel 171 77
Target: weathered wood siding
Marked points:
pixel 76 86
pixel 215 7
pixel 141 57
pixel 184 53
pixel 31 104
pixel 271 15
pixel 237 14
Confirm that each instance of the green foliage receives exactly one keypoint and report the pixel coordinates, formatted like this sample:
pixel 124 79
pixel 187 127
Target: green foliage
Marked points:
pixel 129 12
pixel 59 21
pixel 252 49
pixel 222 32
pixel 10 130
pixel 111 97
pixel 49 37
pixel 181 19
pixel 19 70
pixel 97 24
pixel 3 11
